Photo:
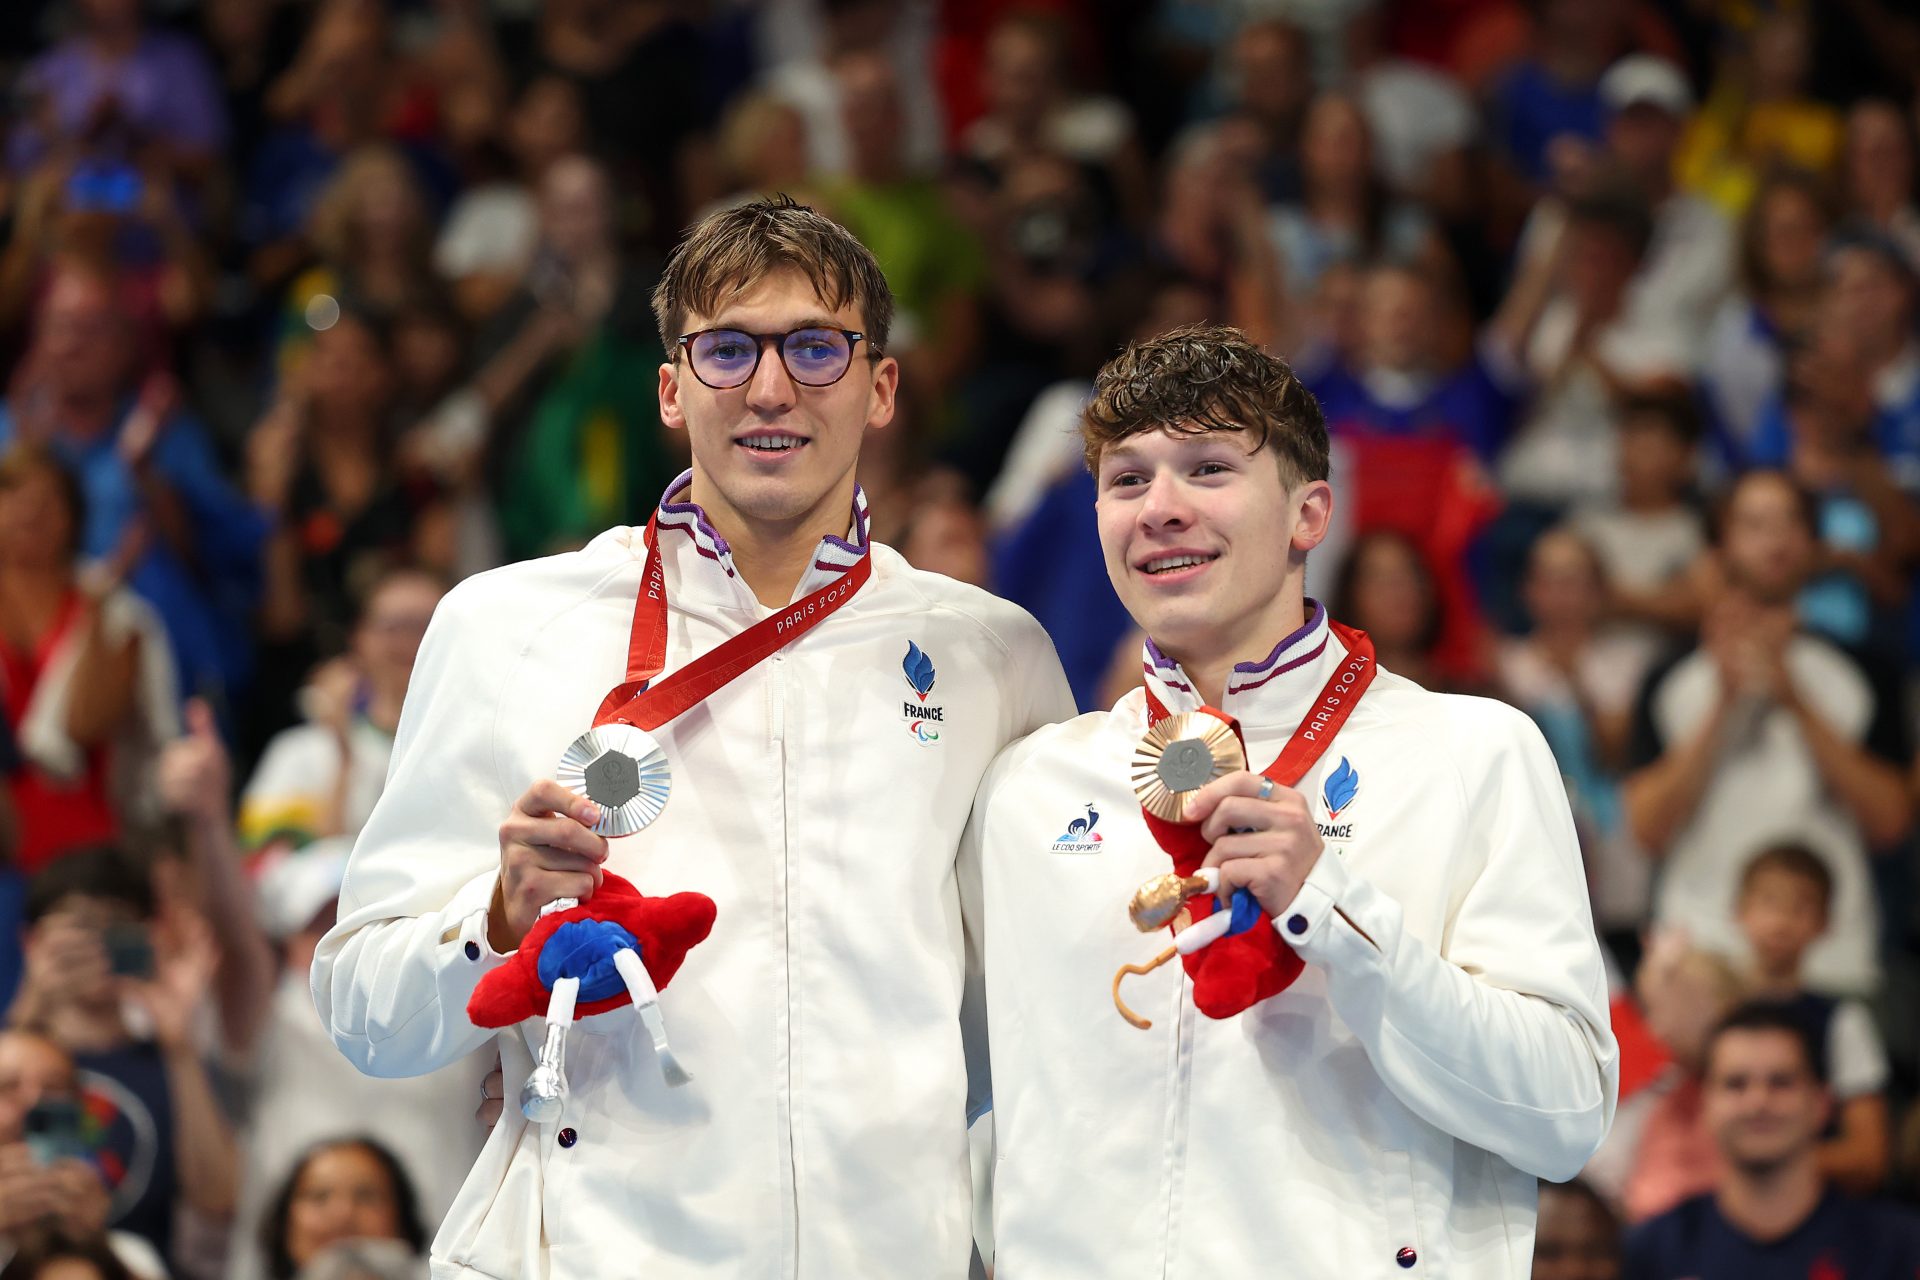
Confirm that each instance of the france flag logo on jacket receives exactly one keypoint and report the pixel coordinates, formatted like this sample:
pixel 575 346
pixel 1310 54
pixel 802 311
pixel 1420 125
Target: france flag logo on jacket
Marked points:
pixel 1338 791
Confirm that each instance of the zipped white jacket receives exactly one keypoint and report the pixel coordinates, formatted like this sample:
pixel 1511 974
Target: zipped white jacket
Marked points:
pixel 1388 1113
pixel 824 1132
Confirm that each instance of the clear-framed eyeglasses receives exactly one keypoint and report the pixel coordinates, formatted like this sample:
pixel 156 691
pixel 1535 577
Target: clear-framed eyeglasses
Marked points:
pixel 813 356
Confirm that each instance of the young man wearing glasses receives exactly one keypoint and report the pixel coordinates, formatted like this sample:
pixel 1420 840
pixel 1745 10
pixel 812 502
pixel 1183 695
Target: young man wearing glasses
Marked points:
pixel 817 797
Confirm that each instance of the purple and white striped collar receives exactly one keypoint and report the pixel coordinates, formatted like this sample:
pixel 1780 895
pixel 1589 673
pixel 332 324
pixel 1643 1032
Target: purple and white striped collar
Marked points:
pixel 1255 691
pixel 833 557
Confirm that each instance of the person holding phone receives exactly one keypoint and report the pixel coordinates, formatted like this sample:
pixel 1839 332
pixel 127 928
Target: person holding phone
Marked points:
pixel 115 985
pixel 46 1179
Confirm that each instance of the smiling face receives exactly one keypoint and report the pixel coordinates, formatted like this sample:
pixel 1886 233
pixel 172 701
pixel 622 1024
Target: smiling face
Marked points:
pixel 1201 535
pixel 1761 1100
pixel 772 455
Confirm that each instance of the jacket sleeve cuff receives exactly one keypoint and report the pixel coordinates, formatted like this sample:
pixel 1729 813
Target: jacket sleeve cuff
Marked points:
pixel 1318 922
pixel 464 925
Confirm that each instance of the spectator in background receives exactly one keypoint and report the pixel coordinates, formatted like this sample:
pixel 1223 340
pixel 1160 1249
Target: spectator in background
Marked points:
pixel 1773 1215
pixel 1400 384
pixel 319 779
pixel 85 674
pixel 799 41
pixel 1869 368
pixel 487 242
pixel 372 230
pixel 931 261
pixel 1782 909
pixel 1032 106
pixel 1782 241
pixel 67 1259
pixel 123 93
pixel 100 962
pixel 1650 538
pixel 763 148
pixel 1759 119
pixel 350 1189
pixel 1344 212
pixel 1567 321
pixel 572 442
pixel 1554 91
pixel 1868 529
pixel 1386 589
pixel 43 1191
pixel 1411 424
pixel 1577 678
pixel 296 1089
pixel 1214 232
pixel 1576 1236
pixel 1688 266
pixel 1269 67
pixel 1659 1153
pixel 1761 734
pixel 323 461
pixel 347 87
pixel 124 214
pixel 143 464
pixel 1878 174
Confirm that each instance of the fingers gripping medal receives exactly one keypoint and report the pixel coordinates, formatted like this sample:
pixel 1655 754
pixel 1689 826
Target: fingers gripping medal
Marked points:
pixel 620 947
pixel 626 775
pixel 1178 756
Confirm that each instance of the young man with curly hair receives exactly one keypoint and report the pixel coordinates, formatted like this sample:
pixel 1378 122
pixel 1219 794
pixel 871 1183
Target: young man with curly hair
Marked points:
pixel 1404 1023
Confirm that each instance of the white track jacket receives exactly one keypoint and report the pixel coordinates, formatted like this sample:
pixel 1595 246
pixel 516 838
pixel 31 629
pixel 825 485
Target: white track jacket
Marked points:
pixel 1388 1113
pixel 818 804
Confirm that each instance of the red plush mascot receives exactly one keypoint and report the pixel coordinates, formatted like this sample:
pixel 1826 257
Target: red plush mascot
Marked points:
pixel 581 959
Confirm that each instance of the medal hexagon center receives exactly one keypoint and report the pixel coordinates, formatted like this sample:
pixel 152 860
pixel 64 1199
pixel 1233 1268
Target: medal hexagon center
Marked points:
pixel 1185 765
pixel 612 779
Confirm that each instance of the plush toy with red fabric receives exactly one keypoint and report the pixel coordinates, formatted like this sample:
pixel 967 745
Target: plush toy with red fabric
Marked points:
pixel 583 958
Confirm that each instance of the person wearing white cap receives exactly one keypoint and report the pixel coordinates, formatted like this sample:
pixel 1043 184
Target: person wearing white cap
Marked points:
pixel 1688 267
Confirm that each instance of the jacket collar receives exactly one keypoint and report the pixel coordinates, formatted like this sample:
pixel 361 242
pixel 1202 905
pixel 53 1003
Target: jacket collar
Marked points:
pixel 699 565
pixel 1274 693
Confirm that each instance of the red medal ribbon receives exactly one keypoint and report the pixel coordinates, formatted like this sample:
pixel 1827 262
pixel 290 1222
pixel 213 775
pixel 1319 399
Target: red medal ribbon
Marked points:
pixel 1242 969
pixel 634 703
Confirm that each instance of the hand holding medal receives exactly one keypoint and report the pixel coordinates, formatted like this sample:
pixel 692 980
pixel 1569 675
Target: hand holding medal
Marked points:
pixel 598 943
pixel 1229 831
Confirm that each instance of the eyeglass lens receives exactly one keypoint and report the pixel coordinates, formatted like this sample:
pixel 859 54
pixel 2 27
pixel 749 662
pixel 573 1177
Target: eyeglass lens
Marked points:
pixel 726 358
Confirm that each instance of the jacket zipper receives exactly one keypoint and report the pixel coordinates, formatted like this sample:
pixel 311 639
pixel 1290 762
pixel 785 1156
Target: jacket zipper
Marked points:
pixel 778 725
pixel 1179 1110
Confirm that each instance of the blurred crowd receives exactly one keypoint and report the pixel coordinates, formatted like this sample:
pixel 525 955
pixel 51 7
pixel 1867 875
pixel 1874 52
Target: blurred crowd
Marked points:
pixel 310 308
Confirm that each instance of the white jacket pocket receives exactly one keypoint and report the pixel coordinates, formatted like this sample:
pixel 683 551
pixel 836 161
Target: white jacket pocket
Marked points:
pixel 493 1229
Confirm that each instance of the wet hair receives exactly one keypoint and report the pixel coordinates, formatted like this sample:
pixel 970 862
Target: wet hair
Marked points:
pixel 1772 1015
pixel 406 1204
pixel 731 251
pixel 103 871
pixel 1794 860
pixel 1201 378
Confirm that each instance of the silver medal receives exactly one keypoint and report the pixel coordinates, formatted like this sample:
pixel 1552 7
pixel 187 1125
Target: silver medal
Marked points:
pixel 623 771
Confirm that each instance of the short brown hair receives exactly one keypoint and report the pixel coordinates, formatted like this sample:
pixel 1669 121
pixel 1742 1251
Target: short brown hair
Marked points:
pixel 733 250
pixel 1207 377
pixel 1793 860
